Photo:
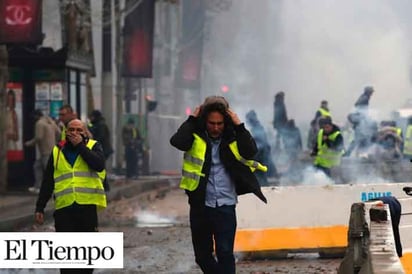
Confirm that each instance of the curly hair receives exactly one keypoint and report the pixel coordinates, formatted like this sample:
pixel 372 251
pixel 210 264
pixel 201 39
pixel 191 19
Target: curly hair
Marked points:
pixel 215 107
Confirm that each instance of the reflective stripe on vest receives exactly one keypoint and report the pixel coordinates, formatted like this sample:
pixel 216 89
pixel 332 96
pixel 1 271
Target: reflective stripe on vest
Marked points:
pixel 407 147
pixel 79 189
pixel 327 157
pixel 87 174
pixel 253 165
pixel 193 161
pixel 63 133
pixel 77 183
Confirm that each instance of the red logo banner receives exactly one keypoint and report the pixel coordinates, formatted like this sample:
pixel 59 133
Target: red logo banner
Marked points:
pixel 20 21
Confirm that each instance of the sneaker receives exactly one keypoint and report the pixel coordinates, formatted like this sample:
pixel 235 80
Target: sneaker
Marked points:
pixel 34 190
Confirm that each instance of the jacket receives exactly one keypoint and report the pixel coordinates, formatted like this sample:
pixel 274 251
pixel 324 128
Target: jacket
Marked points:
pixel 327 156
pixel 93 157
pixel 44 136
pixel 101 133
pixel 77 183
pixel 244 179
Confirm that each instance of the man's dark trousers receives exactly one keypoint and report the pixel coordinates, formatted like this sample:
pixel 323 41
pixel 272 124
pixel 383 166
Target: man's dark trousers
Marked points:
pixel 131 162
pixel 76 218
pixel 211 226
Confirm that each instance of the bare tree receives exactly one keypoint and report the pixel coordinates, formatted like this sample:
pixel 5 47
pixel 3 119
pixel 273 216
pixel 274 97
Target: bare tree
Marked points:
pixel 4 75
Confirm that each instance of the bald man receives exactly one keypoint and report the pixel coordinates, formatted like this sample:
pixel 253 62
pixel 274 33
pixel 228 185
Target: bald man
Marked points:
pixel 74 176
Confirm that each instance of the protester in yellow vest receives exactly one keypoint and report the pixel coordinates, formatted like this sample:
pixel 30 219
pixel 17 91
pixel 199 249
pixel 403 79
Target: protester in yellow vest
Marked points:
pixel 74 176
pixel 133 147
pixel 407 147
pixel 329 147
pixel 322 112
pixel 217 167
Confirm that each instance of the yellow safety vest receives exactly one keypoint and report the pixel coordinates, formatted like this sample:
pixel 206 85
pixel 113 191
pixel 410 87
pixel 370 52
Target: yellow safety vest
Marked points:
pixel 194 159
pixel 324 112
pixel 63 134
pixel 398 130
pixel 407 146
pixel 327 157
pixel 77 183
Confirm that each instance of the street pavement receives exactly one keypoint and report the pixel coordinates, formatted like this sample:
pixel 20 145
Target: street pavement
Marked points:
pixel 17 208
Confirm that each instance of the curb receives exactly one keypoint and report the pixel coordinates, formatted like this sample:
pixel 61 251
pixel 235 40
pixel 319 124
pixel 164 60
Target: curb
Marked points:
pixel 119 190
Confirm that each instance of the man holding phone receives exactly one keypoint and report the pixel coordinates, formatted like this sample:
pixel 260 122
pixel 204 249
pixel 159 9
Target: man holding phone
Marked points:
pixel 74 176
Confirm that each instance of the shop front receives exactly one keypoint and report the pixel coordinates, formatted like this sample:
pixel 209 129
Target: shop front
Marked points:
pixel 39 79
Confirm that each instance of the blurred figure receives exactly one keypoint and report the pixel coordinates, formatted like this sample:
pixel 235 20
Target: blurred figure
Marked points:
pixel 398 130
pixel 363 101
pixel 132 142
pixel 389 141
pixel 312 134
pixel 395 209
pixel 365 130
pixel 363 126
pixel 280 117
pixel 263 155
pixel 293 147
pixel 66 114
pixel 101 133
pixel 44 139
pixel 329 146
pixel 407 146
pixel 323 111
pixel 12 127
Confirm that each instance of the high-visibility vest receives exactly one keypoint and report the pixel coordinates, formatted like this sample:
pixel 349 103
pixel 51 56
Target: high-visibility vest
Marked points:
pixel 63 134
pixel 324 112
pixel 407 146
pixel 194 159
pixel 327 157
pixel 398 130
pixel 77 183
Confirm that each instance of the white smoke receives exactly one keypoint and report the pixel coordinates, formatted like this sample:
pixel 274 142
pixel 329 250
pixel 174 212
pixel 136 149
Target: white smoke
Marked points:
pixel 150 219
pixel 312 50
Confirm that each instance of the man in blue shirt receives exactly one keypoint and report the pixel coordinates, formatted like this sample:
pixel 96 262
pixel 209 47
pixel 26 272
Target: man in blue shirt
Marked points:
pixel 216 168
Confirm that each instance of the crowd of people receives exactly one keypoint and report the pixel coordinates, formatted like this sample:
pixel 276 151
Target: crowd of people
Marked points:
pixel 225 157
pixel 48 132
pixel 360 137
pixel 327 142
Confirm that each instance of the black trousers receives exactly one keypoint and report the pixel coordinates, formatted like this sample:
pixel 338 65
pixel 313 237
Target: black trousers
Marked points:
pixel 214 228
pixel 76 218
pixel 131 162
pixel 395 209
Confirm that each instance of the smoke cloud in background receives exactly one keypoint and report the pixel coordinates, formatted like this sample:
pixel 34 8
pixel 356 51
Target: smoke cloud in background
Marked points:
pixel 312 50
